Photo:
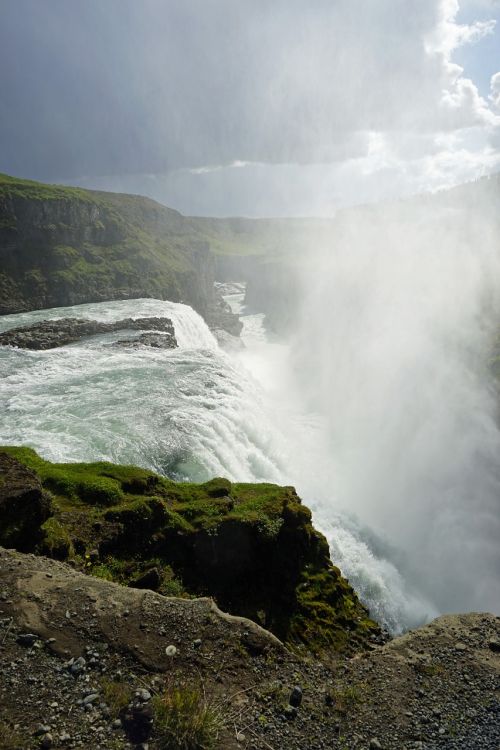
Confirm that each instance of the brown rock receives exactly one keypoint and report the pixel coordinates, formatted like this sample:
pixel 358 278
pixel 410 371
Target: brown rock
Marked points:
pixel 23 505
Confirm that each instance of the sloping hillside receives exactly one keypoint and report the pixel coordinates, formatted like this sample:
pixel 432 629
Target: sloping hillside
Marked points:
pixel 61 245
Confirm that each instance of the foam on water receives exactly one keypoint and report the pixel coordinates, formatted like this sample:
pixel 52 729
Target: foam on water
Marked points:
pixel 192 413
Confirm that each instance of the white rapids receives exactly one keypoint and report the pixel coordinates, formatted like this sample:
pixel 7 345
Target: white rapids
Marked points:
pixel 191 413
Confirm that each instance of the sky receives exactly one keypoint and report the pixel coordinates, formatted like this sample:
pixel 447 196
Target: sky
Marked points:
pixel 251 107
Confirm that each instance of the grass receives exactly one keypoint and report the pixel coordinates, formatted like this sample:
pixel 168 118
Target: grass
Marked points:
pixel 116 695
pixel 345 699
pixel 184 719
pixel 10 738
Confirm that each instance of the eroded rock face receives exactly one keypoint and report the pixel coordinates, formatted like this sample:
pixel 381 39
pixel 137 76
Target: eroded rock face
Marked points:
pixel 119 613
pixel 23 505
pixel 49 334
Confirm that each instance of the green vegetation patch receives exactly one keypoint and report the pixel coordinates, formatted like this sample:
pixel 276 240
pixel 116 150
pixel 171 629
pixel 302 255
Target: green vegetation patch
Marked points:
pixel 185 719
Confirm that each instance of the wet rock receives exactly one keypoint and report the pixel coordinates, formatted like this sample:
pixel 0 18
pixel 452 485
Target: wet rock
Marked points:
pixel 49 334
pixel 154 340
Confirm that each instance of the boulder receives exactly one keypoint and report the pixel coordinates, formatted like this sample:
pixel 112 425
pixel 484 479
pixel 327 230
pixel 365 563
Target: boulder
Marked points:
pixel 23 505
pixel 49 334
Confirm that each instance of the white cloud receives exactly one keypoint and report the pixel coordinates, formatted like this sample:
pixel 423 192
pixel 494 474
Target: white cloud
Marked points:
pixel 495 90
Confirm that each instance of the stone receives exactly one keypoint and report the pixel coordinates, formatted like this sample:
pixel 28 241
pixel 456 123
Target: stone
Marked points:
pixel 375 744
pixel 26 639
pixel 78 666
pixel 24 507
pixel 46 741
pixel 295 697
pixel 151 579
pixel 143 695
pixel 290 712
pixel 90 699
pixel 49 334
pixel 41 729
pixel 138 721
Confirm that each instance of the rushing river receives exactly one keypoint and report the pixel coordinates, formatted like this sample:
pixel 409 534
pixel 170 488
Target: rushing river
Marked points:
pixel 191 413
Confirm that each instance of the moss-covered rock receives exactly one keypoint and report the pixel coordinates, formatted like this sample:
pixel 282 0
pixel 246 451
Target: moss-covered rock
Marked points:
pixel 23 504
pixel 250 546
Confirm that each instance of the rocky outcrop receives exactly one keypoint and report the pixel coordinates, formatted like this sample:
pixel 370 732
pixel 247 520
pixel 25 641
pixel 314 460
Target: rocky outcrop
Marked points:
pixel 220 318
pixel 23 505
pixel 251 547
pixel 65 246
pixel 49 334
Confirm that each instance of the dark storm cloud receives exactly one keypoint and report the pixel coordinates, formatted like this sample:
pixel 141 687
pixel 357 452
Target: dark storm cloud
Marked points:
pixel 121 86
pixel 115 87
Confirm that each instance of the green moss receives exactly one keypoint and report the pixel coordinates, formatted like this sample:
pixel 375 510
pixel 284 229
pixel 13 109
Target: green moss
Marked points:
pixel 185 719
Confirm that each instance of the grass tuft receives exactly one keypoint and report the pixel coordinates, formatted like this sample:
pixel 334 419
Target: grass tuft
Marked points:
pixel 186 720
pixel 10 738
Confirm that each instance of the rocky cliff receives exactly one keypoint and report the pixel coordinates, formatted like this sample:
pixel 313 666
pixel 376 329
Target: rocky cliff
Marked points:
pixel 250 546
pixel 64 246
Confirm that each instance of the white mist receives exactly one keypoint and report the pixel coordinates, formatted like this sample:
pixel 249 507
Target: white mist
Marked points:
pixel 398 315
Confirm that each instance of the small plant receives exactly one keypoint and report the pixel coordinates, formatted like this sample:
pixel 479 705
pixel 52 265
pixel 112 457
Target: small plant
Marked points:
pixel 345 699
pixel 116 695
pixel 429 669
pixel 186 720
pixel 9 738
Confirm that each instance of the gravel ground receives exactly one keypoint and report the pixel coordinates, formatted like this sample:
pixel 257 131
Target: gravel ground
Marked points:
pixel 81 661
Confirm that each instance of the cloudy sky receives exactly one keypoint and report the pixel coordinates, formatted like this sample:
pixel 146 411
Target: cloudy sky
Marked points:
pixel 252 107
